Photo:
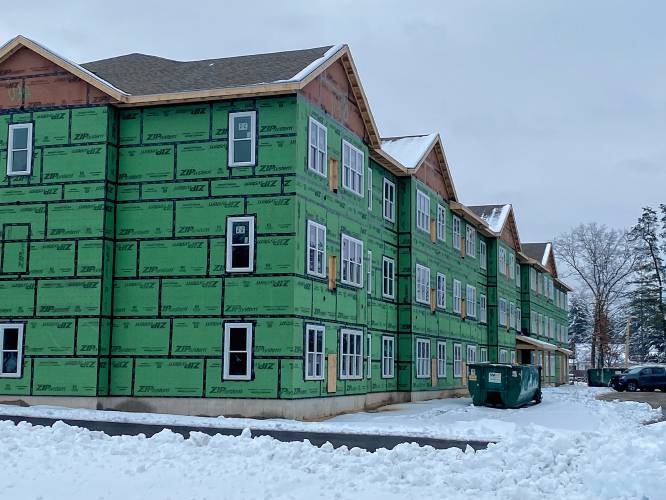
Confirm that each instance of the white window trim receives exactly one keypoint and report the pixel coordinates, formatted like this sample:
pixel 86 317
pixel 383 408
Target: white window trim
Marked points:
pixel 441 291
pixel 471 301
pixel 360 172
pixel 390 278
pixel 369 355
pixel 354 241
pixel 423 368
pixel 388 205
pixel 388 361
pixel 318 329
pixel 10 149
pixel 457 296
pixel 483 308
pixel 519 319
pixel 19 347
pixel 483 355
pixel 512 266
pixel 470 241
pixel 502 312
pixel 229 244
pixel 248 346
pixel 441 359
pixel 501 260
pixel 455 228
pixel 471 348
pixel 320 128
pixel 357 359
pixel 425 271
pixel 369 273
pixel 320 227
pixel 483 255
pixel 441 223
pixel 253 138
pixel 422 214
pixel 502 358
pixel 457 360
pixel 370 189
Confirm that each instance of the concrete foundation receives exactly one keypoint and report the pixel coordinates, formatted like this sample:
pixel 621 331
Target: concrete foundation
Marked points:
pixel 299 409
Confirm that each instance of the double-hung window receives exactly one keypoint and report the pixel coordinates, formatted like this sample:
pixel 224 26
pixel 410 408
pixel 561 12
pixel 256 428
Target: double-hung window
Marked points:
pixel 388 278
pixel 369 189
pixel 314 352
pixel 533 322
pixel 19 149
pixel 389 200
pixel 471 301
pixel 422 358
pixel 316 249
pixel 351 355
pixel 533 279
pixel 441 291
pixel 517 274
pixel 502 312
pixel 422 284
pixel 318 148
pixel 441 223
pixel 11 350
pixel 369 272
pixel 352 261
pixel 470 241
pixel 422 211
pixel 512 315
pixel 512 266
pixel 352 168
pixel 237 351
pixel 483 255
pixel 483 309
pixel 388 356
pixel 369 356
pixel 542 325
pixel 483 355
pixel 240 244
pixel 455 232
pixel 503 356
pixel 519 319
pixel 242 138
pixel 457 360
pixel 471 354
pixel 457 297
pixel 501 260
pixel 513 357
pixel 441 359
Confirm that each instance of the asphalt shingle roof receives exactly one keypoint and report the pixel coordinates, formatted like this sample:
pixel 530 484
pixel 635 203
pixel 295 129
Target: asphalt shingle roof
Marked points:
pixel 534 250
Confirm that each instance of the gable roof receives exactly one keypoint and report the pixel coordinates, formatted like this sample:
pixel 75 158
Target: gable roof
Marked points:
pixel 501 219
pixel 405 155
pixel 536 251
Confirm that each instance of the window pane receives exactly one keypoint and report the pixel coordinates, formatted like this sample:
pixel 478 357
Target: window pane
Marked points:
pixel 9 362
pixel 20 138
pixel 242 127
pixel 240 257
pixel 11 339
pixel 238 363
pixel 237 339
pixel 242 151
pixel 20 161
pixel 241 232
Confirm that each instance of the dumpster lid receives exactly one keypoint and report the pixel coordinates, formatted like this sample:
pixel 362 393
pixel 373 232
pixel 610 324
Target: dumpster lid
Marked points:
pixel 536 343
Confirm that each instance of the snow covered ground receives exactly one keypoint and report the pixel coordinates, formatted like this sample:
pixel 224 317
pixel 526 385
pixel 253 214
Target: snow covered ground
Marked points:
pixel 596 449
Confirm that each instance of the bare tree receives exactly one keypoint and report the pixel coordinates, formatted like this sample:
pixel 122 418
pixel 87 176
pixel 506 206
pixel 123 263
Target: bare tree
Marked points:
pixel 601 260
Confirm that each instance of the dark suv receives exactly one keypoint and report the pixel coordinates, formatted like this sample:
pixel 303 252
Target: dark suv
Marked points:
pixel 645 378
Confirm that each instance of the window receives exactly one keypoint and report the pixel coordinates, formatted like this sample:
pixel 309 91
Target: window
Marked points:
pixel 457 360
pixel 533 320
pixel 19 150
pixel 512 315
pixel 503 356
pixel 316 249
pixel 455 222
pixel 441 359
pixel 441 291
pixel 471 354
pixel 471 301
pixel 388 344
pixel 441 223
pixel 517 274
pixel 240 244
pixel 483 309
pixel 422 284
pixel 352 261
pixel 533 279
pixel 369 188
pixel 502 312
pixel 422 211
pixel 501 258
pixel 11 350
pixel 539 284
pixel 422 358
pixel 318 148
pixel 519 320
pixel 352 168
pixel 389 200
pixel 351 358
pixel 369 355
pixel 388 278
pixel 457 296
pixel 512 266
pixel 237 351
pixel 369 272
pixel 470 241
pixel 551 363
pixel 483 355
pixel 483 255
pixel 242 138
pixel 314 352
pixel 513 357
pixel 542 327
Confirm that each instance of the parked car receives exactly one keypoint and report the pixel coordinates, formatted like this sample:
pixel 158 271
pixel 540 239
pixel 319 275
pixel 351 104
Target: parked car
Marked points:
pixel 644 378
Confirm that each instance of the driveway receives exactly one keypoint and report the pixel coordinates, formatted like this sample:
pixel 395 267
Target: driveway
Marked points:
pixel 654 399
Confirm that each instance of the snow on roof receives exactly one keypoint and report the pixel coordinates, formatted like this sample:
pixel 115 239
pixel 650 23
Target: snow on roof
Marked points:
pixel 546 254
pixel 494 215
pixel 314 64
pixel 409 150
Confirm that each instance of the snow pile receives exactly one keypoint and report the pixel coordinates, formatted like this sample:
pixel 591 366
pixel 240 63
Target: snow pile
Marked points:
pixel 62 462
pixel 408 150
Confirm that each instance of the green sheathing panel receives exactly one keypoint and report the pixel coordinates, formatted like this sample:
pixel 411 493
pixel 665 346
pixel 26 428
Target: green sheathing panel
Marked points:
pixel 172 294
pixel 56 236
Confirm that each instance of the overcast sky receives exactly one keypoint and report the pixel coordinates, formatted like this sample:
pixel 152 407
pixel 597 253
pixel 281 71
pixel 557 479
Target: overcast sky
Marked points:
pixel 558 107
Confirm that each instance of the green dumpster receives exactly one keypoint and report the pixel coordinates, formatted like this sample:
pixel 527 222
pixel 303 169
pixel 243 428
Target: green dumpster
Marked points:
pixel 506 386
pixel 600 377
